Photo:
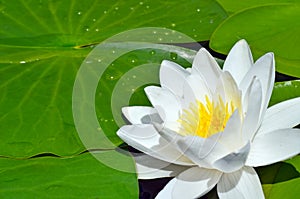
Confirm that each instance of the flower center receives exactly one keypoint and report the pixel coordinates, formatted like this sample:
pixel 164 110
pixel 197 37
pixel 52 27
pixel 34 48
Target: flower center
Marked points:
pixel 206 119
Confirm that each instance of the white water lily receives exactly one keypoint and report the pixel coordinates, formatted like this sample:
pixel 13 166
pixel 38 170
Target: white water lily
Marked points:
pixel 209 127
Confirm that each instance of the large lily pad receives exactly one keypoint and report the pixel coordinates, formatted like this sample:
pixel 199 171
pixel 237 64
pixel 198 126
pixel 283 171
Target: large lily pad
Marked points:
pixel 71 23
pixel 232 6
pixel 74 177
pixel 42 45
pixel 272 28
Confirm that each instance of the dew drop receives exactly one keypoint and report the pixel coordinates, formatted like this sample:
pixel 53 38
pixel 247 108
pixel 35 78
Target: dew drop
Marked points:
pixel 79 13
pixel 152 52
pixel 97 30
pixel 133 76
pixel 113 52
pixel 173 56
pixel 22 62
pixel 111 77
pixel 131 8
pixel 94 19
pixel 99 60
pixel 160 39
pixel 198 10
pixel 211 21
pixel 132 59
pixel 116 8
pixel 132 89
pixel 141 3
pixel 147 7
pixel 173 24
pixel 105 12
pixel 154 32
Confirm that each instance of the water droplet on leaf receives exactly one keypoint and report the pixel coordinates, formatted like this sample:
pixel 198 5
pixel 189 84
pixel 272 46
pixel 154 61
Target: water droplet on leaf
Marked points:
pixel 152 52
pixel 173 56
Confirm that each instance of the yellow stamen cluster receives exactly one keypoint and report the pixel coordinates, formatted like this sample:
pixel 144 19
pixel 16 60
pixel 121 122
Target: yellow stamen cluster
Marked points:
pixel 207 119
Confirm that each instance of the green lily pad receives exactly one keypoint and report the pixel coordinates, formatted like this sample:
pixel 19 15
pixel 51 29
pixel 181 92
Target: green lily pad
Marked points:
pixel 281 180
pixel 71 23
pixel 43 44
pixel 285 90
pixel 36 101
pixel 80 176
pixel 232 6
pixel 36 108
pixel 272 28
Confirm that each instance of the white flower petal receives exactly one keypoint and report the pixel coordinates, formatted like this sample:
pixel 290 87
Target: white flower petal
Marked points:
pixel 232 132
pixel 280 116
pixel 168 133
pixel 267 59
pixel 165 103
pixel 242 184
pixel 232 93
pixel 254 106
pixel 191 146
pixel 264 70
pixel 273 147
pixel 191 183
pixel 238 148
pixel 233 161
pixel 206 66
pixel 146 139
pixel 238 61
pixel 148 167
pixel 139 114
pixel 195 88
pixel 219 91
pixel 172 77
pixel 203 151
